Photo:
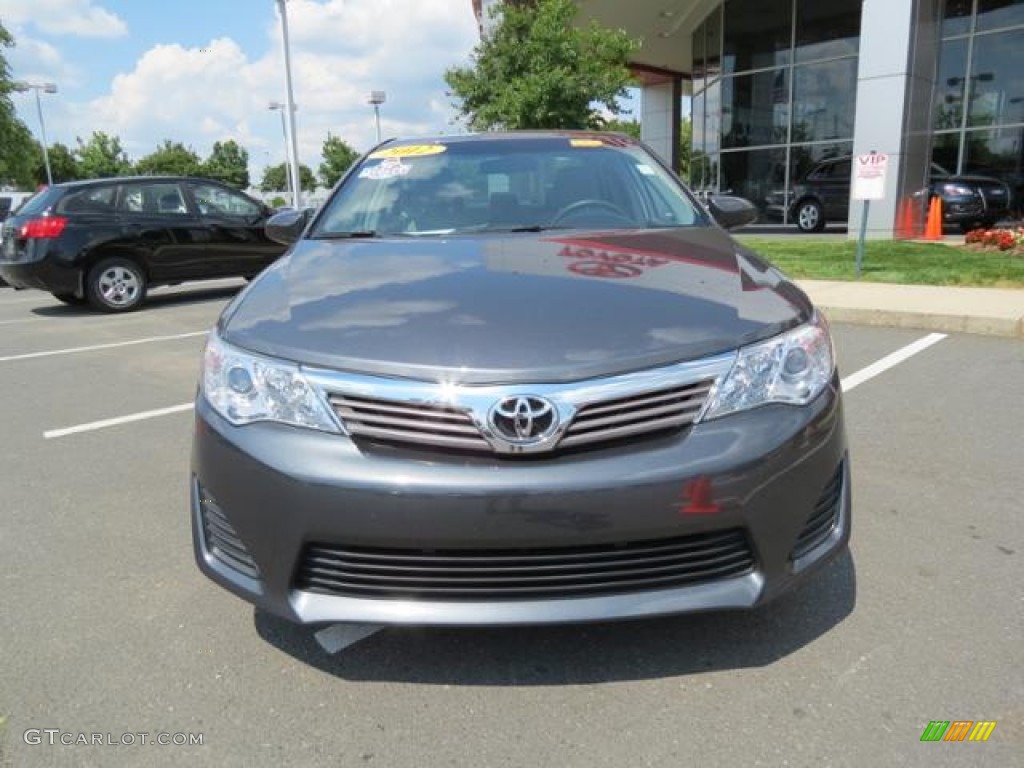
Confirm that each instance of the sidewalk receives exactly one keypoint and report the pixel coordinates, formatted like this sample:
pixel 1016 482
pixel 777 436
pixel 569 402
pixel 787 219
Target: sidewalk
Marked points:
pixel 989 311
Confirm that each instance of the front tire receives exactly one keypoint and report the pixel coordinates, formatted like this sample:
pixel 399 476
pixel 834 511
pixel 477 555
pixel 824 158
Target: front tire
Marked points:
pixel 810 216
pixel 116 285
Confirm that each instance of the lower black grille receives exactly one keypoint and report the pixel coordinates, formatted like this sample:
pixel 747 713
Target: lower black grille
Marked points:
pixel 221 540
pixel 524 574
pixel 825 517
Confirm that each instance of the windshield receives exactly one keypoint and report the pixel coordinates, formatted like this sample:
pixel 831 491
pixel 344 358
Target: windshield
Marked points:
pixel 506 184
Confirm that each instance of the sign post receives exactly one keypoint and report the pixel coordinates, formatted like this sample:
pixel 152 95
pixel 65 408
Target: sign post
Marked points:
pixel 868 184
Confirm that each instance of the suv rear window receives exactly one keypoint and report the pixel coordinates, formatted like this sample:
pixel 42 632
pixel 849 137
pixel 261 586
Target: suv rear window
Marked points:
pixel 40 202
pixel 89 200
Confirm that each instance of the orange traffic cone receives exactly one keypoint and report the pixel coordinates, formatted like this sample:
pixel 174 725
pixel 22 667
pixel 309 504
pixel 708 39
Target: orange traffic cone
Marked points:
pixel 933 230
pixel 904 222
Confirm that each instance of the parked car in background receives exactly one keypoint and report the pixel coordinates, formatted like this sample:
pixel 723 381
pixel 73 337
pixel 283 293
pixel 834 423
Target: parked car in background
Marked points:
pixel 9 202
pixel 105 242
pixel 517 378
pixel 823 195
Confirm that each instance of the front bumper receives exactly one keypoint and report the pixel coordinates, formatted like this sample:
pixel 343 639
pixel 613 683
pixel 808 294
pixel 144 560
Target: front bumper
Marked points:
pixel 957 210
pixel 282 490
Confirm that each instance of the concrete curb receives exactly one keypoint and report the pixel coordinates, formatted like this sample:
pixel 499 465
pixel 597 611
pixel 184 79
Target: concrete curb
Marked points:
pixel 982 311
pixel 1007 327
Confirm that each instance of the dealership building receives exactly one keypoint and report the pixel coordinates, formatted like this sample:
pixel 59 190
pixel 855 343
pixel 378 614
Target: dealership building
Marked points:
pixel 777 86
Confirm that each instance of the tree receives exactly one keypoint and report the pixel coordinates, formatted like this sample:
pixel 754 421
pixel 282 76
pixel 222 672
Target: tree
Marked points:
pixel 63 164
pixel 16 143
pixel 275 179
pixel 536 69
pixel 102 156
pixel 172 158
pixel 338 158
pixel 628 127
pixel 685 146
pixel 229 163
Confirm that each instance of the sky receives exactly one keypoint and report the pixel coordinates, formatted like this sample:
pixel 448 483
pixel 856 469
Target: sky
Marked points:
pixel 199 71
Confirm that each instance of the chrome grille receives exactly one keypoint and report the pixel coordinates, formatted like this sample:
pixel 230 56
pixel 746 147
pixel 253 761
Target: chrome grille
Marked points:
pixel 415 423
pixel 222 541
pixel 527 573
pixel 591 412
pixel 673 408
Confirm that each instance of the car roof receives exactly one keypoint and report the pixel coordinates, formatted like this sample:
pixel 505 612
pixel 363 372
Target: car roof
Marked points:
pixel 129 179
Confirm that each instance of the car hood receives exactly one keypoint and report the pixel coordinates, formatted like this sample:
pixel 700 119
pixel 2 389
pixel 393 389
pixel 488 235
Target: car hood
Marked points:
pixel 513 308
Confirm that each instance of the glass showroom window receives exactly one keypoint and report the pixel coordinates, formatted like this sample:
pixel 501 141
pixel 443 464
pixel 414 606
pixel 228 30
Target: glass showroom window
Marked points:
pixel 827 30
pixel 997 14
pixel 758 34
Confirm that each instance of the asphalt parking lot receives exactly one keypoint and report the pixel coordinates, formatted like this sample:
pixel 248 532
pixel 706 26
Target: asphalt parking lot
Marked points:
pixel 108 628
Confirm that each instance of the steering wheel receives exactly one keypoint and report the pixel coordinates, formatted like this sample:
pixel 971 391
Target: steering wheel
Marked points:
pixel 603 205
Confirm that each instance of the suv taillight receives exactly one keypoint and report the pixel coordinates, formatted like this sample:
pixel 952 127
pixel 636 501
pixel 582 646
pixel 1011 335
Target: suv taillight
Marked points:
pixel 46 227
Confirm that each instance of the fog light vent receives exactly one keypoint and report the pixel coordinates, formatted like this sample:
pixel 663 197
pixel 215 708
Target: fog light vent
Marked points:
pixel 222 541
pixel 825 517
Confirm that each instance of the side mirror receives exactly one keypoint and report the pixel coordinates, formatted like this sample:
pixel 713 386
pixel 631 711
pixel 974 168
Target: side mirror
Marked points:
pixel 732 212
pixel 287 226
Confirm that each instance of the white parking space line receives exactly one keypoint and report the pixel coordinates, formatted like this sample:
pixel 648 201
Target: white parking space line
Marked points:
pixel 34 300
pixel 94 347
pixel 92 426
pixel 22 320
pixel 338 637
pixel 879 367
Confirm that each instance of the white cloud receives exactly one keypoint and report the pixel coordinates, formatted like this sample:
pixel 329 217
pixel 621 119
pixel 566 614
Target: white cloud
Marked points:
pixel 81 18
pixel 37 60
pixel 341 50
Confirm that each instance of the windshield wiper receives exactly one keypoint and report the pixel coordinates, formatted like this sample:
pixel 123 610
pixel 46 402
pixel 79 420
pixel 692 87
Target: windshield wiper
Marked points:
pixel 528 228
pixel 355 234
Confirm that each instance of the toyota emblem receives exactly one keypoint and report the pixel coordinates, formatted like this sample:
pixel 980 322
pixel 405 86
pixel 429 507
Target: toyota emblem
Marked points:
pixel 524 419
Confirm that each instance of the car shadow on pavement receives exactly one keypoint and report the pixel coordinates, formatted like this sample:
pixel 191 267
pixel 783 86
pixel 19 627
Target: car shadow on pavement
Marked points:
pixel 154 301
pixel 587 653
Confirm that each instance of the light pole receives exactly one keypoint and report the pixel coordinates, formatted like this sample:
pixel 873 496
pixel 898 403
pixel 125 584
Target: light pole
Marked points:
pixel 289 103
pixel 279 107
pixel 23 86
pixel 377 98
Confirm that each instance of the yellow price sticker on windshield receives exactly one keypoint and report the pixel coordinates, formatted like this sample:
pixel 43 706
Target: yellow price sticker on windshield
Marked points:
pixel 586 142
pixel 410 150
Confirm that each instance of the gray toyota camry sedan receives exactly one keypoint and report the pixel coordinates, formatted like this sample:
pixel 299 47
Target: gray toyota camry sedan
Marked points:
pixel 518 378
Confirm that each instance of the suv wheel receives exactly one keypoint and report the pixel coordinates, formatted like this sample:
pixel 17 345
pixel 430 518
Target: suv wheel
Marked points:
pixel 116 285
pixel 810 216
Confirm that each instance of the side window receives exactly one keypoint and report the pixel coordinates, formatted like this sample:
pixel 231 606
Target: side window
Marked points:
pixel 213 200
pixel 823 171
pixel 842 171
pixel 159 198
pixel 132 200
pixel 89 200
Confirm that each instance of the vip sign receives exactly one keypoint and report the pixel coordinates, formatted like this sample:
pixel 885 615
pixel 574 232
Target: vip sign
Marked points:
pixel 869 173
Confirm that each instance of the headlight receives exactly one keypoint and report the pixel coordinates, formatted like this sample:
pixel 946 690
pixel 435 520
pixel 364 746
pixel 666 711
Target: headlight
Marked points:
pixel 244 388
pixel 792 368
pixel 958 190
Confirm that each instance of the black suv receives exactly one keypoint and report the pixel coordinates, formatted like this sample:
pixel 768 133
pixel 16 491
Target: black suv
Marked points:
pixel 824 195
pixel 106 241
